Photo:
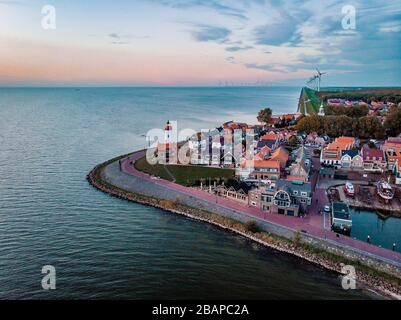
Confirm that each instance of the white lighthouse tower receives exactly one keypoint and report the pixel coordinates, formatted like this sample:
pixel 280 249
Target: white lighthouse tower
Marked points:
pixel 168 133
pixel 167 150
pixel 321 110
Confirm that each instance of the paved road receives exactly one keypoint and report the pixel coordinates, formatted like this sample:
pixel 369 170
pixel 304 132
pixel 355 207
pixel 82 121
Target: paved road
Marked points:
pixel 312 224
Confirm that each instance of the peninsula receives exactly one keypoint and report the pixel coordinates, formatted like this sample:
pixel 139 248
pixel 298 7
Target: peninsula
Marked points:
pixel 287 183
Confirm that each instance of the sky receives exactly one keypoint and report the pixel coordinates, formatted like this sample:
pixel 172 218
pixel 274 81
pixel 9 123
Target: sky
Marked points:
pixel 200 42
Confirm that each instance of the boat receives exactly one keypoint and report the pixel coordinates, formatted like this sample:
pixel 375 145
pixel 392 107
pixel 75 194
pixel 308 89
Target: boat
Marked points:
pixel 384 190
pixel 349 189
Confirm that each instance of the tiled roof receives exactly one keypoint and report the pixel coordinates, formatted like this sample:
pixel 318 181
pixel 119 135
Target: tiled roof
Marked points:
pixel 280 154
pixel 371 153
pixel 351 153
pixel 270 136
pixel 268 143
pixel 261 164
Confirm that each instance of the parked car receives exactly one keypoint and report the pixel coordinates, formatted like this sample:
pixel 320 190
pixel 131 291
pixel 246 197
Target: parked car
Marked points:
pixel 327 208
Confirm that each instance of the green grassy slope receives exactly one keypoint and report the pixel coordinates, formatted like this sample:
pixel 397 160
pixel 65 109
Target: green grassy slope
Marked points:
pixel 184 175
pixel 313 104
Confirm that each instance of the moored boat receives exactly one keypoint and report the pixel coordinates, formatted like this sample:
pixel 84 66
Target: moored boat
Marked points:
pixel 349 189
pixel 384 190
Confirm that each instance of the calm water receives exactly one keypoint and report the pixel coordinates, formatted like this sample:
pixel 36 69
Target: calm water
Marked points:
pixel 107 248
pixel 382 232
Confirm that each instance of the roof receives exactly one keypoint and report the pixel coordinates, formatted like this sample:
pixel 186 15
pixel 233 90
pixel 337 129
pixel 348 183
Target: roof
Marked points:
pixel 351 153
pixel 270 136
pixel 265 148
pixel 268 143
pixel 295 178
pixel 259 156
pixel 237 185
pixel 341 211
pixel 288 116
pixel 301 154
pixel 371 153
pixel 297 167
pixel 280 154
pixel 348 140
pixel 341 143
pixel 303 187
pixel 392 142
pixel 261 164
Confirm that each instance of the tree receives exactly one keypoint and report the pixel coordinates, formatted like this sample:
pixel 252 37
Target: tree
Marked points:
pixel 392 124
pixel 313 123
pixel 293 141
pixel 265 115
pixel 370 127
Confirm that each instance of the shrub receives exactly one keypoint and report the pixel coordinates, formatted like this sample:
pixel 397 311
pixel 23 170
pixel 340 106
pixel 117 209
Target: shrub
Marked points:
pixel 252 226
pixel 296 239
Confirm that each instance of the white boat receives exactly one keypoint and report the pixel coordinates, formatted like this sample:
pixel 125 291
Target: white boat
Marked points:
pixel 384 190
pixel 349 189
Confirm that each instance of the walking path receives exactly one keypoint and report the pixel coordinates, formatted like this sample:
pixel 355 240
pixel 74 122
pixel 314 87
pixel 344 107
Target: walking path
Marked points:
pixel 312 224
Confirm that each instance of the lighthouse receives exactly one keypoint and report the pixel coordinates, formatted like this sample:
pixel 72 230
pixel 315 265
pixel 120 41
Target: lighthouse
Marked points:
pixel 321 110
pixel 168 130
pixel 167 149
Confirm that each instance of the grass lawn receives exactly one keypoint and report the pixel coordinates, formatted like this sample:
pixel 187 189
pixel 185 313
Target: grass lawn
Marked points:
pixel 184 175
pixel 313 105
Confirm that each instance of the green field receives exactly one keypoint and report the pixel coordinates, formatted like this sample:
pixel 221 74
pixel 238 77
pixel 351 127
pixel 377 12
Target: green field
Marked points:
pixel 313 104
pixel 184 175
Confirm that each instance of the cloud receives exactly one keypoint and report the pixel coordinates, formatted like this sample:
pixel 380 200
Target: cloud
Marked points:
pixel 231 60
pixel 215 5
pixel 11 3
pixel 122 38
pixel 238 48
pixel 116 35
pixel 205 33
pixel 274 34
pixel 281 68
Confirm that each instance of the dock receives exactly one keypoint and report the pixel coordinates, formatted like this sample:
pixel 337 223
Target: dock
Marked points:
pixel 366 198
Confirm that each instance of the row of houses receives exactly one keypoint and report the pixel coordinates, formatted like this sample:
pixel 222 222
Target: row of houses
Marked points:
pixel 344 152
pixel 271 178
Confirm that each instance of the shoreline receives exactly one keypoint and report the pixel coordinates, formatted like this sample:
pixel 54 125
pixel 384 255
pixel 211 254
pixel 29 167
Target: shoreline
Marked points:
pixel 369 278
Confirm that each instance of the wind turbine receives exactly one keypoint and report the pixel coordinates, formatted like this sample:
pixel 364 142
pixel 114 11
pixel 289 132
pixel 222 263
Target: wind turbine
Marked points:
pixel 311 80
pixel 319 78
